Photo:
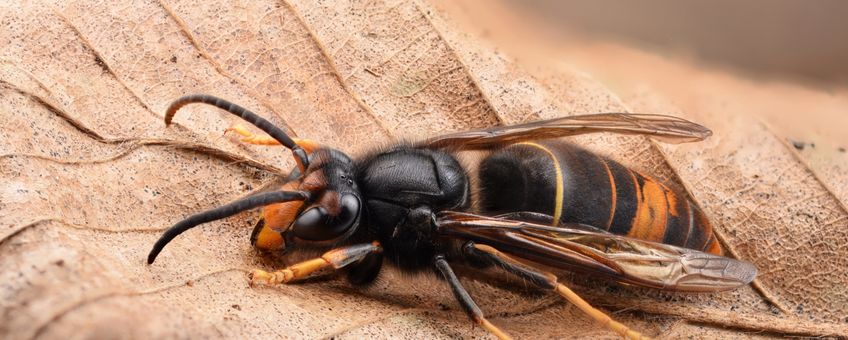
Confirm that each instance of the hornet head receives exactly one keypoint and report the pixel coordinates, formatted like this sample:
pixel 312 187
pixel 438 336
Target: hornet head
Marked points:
pixel 320 205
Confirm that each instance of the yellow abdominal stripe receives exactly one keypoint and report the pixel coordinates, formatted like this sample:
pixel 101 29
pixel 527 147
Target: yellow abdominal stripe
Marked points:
pixel 559 183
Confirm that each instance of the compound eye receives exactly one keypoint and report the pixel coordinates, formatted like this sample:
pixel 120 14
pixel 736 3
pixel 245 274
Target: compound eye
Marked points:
pixel 316 224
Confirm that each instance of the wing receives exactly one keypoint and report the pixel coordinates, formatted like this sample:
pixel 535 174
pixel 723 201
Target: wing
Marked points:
pixel 619 258
pixel 666 128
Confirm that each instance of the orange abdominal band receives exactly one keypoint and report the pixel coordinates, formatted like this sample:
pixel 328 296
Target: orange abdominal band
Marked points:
pixel 651 212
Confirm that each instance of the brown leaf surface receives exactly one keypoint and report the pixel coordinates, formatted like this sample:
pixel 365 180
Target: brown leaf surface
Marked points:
pixel 90 176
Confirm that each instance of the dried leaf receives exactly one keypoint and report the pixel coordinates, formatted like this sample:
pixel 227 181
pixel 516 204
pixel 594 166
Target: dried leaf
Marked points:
pixel 90 176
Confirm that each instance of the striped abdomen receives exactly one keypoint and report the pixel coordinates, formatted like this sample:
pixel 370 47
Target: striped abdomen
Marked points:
pixel 577 186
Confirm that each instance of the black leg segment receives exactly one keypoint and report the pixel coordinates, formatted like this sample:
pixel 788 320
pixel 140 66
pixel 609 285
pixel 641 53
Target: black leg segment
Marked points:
pixel 365 271
pixel 465 299
pixel 459 292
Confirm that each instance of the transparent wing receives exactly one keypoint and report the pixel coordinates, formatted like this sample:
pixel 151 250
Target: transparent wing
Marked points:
pixel 615 257
pixel 665 128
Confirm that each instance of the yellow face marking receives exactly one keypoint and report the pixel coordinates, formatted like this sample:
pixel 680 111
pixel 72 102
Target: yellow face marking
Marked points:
pixel 278 217
pixel 559 183
pixel 269 239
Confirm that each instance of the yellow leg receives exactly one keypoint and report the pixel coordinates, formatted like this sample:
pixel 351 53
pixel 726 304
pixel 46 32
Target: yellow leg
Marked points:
pixel 297 271
pixel 336 258
pixel 248 137
pixel 548 280
pixel 251 138
pixel 493 329
pixel 598 315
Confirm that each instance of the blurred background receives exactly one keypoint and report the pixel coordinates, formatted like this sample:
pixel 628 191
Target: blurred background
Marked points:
pixel 784 62
pixel 790 40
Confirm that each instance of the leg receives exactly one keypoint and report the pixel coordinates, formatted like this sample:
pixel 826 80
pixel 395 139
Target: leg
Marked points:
pixel 465 300
pixel 251 138
pixel 365 271
pixel 547 281
pixel 336 258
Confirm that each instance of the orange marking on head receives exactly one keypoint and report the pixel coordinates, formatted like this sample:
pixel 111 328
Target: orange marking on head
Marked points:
pixel 651 213
pixel 279 216
pixel 268 239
